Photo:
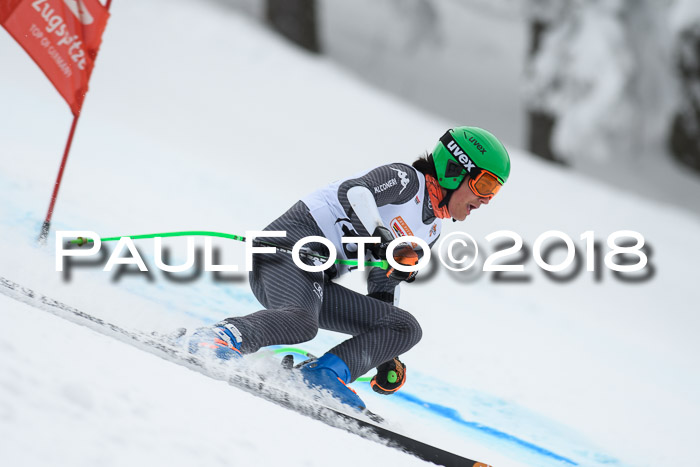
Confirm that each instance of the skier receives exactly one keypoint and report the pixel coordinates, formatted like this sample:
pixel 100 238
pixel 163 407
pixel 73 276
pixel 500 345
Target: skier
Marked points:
pixel 465 170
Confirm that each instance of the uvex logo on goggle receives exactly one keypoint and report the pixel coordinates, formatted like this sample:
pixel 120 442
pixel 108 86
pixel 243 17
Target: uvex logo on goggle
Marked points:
pixel 457 152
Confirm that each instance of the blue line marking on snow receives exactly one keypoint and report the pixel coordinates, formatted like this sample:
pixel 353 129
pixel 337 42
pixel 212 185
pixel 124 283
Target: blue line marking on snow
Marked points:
pixel 453 415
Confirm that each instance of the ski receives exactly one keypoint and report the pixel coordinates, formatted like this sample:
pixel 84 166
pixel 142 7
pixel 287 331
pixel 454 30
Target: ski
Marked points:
pixel 366 425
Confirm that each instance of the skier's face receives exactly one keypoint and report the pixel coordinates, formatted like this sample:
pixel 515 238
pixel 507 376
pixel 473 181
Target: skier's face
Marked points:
pixel 463 201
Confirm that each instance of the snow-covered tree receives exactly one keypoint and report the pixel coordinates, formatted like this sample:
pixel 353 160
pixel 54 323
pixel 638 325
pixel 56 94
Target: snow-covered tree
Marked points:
pixel 685 131
pixel 601 71
pixel 578 76
pixel 296 20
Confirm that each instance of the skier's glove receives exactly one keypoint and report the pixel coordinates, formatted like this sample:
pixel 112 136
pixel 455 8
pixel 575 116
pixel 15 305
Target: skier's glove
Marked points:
pixel 404 254
pixel 378 250
pixel 390 377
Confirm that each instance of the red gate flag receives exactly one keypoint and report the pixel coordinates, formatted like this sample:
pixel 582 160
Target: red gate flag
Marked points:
pixel 62 37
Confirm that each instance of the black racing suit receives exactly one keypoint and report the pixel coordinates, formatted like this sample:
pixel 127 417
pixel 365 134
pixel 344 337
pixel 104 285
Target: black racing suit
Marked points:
pixel 297 303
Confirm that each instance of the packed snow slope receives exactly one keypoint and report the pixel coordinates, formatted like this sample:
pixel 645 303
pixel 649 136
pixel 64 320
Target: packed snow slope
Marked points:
pixel 111 404
pixel 197 119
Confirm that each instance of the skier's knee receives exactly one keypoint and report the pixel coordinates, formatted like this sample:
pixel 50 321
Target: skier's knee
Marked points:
pixel 309 332
pixel 415 330
pixel 306 324
pixel 407 324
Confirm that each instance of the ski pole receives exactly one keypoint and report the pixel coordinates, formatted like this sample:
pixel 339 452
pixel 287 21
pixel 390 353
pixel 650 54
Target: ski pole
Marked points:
pixel 80 241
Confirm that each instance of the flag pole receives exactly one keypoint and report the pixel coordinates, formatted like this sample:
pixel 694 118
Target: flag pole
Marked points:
pixel 46 226
pixel 47 222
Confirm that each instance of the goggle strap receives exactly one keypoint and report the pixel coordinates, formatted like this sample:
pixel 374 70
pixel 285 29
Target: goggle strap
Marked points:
pixel 460 154
pixel 446 199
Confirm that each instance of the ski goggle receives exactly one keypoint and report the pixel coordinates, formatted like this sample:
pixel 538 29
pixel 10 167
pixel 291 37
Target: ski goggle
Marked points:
pixel 485 184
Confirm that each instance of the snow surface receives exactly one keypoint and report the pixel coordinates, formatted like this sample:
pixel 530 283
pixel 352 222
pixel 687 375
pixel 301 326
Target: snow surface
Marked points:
pixel 202 120
pixel 460 59
pixel 111 404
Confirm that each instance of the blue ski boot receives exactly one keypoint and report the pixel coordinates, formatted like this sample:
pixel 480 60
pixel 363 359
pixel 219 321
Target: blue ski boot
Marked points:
pixel 332 373
pixel 223 340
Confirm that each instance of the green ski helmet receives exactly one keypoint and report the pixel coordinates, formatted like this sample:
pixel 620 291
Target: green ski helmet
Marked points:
pixel 468 150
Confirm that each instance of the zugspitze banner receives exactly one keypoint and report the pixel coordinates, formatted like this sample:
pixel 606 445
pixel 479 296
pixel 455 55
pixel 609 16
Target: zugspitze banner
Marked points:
pixel 62 36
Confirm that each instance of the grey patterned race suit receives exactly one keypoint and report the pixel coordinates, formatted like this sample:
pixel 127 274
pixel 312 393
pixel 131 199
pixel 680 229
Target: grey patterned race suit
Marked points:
pixel 297 303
